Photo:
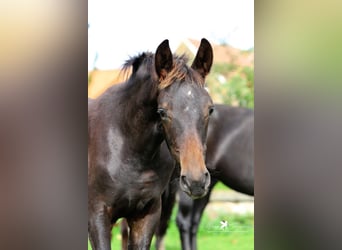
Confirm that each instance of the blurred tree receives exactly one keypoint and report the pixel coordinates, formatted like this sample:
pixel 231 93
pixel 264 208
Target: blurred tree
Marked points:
pixel 232 84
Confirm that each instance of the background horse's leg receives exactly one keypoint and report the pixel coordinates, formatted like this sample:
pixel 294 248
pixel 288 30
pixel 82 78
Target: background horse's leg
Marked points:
pixel 168 201
pixel 184 219
pixel 189 216
pixel 142 227
pixel 124 234
pixel 197 212
pixel 99 230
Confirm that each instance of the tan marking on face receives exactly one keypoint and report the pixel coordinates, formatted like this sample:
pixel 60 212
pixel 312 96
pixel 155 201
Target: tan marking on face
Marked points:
pixel 191 157
pixel 164 105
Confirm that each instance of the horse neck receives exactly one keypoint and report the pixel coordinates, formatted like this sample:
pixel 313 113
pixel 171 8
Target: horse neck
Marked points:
pixel 139 105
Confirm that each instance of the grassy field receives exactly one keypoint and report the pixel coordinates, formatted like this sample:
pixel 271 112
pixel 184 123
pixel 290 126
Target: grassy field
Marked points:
pixel 239 235
pixel 220 186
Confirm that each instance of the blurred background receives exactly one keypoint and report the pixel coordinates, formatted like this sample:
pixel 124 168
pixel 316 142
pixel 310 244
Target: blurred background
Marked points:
pixel 44 51
pixel 120 29
pixel 43 70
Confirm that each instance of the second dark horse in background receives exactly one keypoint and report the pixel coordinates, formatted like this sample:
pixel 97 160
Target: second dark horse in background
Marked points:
pixel 229 158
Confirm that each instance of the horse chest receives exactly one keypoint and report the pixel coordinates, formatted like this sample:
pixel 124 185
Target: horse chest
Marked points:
pixel 146 184
pixel 134 183
pixel 136 190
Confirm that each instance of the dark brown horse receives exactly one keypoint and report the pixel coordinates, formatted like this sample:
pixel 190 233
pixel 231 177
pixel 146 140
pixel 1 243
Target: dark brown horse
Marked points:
pixel 163 98
pixel 229 158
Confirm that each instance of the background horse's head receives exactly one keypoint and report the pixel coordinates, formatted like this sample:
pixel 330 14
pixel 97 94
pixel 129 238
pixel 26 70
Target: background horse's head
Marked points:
pixel 184 107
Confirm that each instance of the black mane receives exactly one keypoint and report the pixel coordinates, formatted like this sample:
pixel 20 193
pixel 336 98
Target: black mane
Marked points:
pixel 181 69
pixel 135 63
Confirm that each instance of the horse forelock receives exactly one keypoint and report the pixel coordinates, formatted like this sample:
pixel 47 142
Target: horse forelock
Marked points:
pixel 180 71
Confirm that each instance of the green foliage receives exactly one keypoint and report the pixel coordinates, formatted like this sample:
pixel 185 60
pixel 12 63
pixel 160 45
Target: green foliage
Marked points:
pixel 232 85
pixel 238 92
pixel 223 67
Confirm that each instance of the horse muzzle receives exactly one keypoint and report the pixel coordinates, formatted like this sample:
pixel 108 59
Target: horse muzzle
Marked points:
pixel 195 188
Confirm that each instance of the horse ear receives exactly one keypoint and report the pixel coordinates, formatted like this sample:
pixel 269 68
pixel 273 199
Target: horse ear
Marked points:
pixel 203 59
pixel 163 59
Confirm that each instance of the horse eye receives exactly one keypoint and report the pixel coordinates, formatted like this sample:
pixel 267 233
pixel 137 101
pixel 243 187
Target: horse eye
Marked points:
pixel 162 113
pixel 211 110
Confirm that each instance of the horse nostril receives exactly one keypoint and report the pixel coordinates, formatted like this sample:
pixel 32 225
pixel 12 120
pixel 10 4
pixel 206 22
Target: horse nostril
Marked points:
pixel 206 179
pixel 185 181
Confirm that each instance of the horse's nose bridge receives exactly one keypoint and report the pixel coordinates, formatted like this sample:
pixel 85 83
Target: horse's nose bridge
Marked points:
pixel 192 157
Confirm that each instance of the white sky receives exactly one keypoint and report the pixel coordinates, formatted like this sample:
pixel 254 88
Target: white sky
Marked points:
pixel 122 28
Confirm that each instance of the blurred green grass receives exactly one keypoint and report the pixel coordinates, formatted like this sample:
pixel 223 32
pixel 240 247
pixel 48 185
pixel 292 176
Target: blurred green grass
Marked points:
pixel 239 235
pixel 221 186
